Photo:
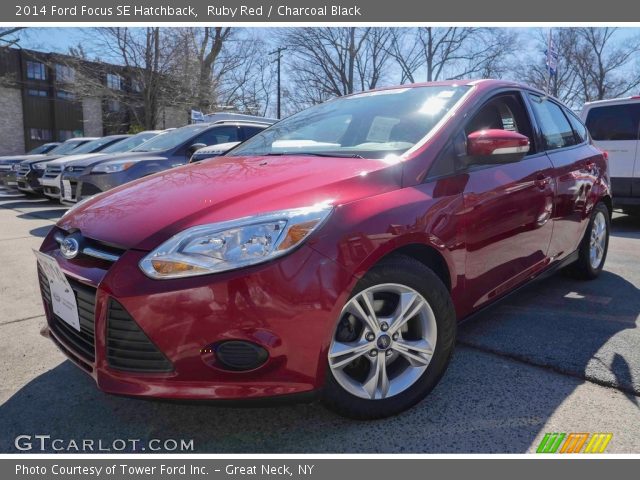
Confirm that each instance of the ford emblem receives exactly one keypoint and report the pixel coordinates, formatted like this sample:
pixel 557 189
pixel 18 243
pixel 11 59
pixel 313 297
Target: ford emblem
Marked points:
pixel 70 247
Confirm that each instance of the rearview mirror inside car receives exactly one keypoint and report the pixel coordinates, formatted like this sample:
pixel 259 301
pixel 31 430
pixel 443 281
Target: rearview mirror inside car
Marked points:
pixel 496 146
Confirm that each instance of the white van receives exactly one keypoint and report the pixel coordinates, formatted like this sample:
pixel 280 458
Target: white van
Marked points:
pixel 614 127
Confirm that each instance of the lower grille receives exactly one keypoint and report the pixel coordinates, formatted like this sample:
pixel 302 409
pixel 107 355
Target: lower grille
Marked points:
pixel 87 190
pixel 128 348
pixel 81 343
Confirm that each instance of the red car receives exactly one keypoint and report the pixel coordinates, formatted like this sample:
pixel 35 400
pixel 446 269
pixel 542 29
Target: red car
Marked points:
pixel 333 253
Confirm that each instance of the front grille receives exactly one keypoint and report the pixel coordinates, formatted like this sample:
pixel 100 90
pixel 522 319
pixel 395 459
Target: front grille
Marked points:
pixel 88 189
pixel 24 169
pixel 128 348
pixel 71 168
pixel 6 168
pixel 81 343
pixel 52 172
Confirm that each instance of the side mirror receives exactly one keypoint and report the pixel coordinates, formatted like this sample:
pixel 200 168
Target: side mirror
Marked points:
pixel 495 147
pixel 196 146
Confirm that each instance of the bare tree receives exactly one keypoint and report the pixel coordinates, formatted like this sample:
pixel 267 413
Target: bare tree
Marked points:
pixel 7 36
pixel 435 53
pixel 604 63
pixel 533 70
pixel 328 61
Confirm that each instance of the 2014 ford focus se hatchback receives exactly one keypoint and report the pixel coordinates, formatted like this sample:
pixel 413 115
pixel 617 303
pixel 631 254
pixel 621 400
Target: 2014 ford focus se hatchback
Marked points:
pixel 333 253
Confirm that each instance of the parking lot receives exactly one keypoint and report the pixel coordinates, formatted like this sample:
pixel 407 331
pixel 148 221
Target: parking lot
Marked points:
pixel 558 356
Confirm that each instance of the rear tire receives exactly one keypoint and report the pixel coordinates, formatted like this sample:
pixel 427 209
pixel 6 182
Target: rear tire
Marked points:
pixel 592 252
pixel 397 284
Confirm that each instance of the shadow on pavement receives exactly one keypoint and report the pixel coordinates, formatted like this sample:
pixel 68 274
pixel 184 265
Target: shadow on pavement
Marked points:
pixel 40 231
pixel 481 405
pixel 52 214
pixel 570 326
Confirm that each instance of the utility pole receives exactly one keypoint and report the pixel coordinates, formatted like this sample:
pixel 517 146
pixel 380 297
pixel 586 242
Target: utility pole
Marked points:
pixel 278 51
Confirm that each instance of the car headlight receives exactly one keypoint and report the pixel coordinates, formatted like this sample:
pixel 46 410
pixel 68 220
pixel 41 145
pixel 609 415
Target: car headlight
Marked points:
pixel 39 166
pixel 219 247
pixel 112 167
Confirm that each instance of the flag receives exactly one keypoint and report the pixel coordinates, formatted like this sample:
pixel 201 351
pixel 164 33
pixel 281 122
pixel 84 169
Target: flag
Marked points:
pixel 552 57
pixel 196 116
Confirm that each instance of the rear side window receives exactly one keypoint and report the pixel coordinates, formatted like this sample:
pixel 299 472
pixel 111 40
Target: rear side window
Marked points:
pixel 556 129
pixel 218 135
pixel 251 131
pixel 614 122
pixel 578 128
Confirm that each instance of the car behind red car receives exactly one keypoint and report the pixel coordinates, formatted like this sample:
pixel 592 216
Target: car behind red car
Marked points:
pixel 333 253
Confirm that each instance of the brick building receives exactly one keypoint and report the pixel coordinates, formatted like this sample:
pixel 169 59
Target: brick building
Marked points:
pixel 41 101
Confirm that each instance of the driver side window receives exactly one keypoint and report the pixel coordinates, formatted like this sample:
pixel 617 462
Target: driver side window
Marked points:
pixel 504 112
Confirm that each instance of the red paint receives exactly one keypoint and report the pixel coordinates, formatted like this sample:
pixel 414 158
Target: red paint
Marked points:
pixel 491 228
pixel 488 142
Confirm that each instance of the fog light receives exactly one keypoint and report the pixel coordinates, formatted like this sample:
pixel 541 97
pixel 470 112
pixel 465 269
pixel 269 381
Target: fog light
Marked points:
pixel 239 355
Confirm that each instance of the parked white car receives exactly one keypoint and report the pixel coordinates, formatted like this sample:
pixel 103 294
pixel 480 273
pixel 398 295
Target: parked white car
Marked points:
pixel 614 127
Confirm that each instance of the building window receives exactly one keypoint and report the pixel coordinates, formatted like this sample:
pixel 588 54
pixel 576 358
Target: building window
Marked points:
pixel 65 95
pixel 36 71
pixel 65 74
pixel 113 105
pixel 65 135
pixel 34 92
pixel 114 82
pixel 40 134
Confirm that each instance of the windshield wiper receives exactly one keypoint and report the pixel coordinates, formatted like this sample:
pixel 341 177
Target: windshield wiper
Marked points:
pixel 313 154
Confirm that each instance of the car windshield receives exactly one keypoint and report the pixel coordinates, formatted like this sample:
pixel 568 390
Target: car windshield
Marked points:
pixel 41 149
pixel 371 124
pixel 66 148
pixel 129 143
pixel 96 145
pixel 172 139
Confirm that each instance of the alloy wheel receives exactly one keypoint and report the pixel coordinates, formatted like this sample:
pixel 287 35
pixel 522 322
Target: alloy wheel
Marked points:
pixel 384 341
pixel 598 241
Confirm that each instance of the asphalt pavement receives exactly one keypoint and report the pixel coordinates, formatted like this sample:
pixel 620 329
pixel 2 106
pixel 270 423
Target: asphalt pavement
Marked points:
pixel 559 356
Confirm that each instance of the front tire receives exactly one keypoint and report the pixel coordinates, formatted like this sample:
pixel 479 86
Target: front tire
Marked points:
pixel 393 342
pixel 592 251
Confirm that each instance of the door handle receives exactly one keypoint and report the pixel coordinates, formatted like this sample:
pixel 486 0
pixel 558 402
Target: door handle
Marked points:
pixel 542 181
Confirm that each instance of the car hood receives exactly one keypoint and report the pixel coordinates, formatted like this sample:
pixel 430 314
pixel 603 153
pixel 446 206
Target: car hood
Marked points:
pixel 105 157
pixel 143 213
pixel 76 158
pixel 42 158
pixel 21 158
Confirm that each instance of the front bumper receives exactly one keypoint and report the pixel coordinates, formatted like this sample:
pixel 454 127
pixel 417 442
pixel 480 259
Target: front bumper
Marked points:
pixel 288 307
pixel 8 178
pixel 30 182
pixel 94 183
pixel 51 186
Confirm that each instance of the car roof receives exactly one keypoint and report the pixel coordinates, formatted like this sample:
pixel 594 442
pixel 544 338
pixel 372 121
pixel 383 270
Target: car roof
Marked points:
pixel 612 101
pixel 80 139
pixel 483 84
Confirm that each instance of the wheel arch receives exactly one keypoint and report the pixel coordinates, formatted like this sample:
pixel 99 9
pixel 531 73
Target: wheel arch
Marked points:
pixel 426 254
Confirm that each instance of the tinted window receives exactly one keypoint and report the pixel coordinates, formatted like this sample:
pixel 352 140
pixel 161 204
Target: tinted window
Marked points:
pixel 614 122
pixel 172 139
pixel 129 143
pixel 373 124
pixel 251 131
pixel 219 135
pixel 578 128
pixel 556 129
